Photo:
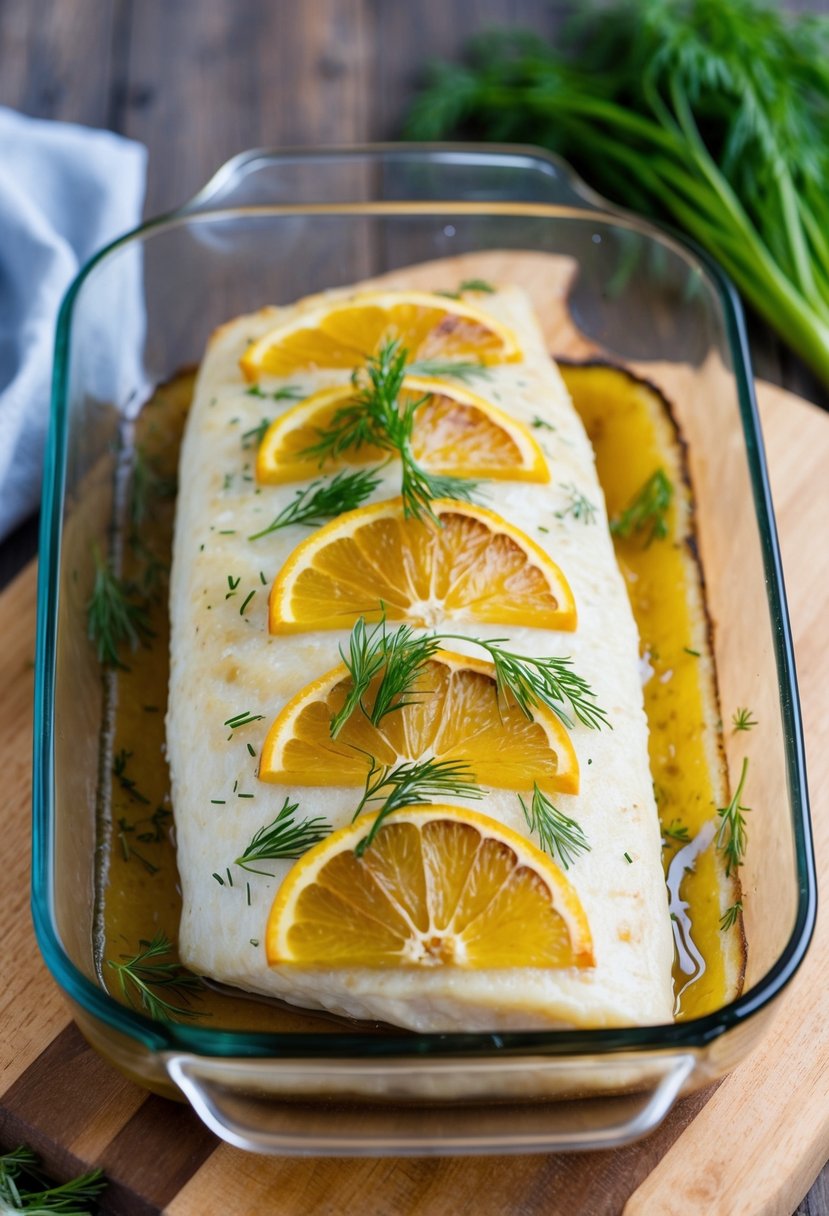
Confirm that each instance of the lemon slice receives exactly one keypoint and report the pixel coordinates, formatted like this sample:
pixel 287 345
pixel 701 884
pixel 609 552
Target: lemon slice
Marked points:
pixel 456 432
pixel 476 567
pixel 453 712
pixel 439 886
pixel 343 333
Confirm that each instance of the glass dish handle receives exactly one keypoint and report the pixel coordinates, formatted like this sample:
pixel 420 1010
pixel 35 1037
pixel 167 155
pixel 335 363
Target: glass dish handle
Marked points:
pixel 454 1106
pixel 411 172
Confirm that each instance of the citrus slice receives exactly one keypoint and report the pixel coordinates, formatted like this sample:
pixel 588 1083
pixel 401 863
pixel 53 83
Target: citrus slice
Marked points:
pixel 456 432
pixel 438 886
pixel 344 332
pixel 373 561
pixel 452 712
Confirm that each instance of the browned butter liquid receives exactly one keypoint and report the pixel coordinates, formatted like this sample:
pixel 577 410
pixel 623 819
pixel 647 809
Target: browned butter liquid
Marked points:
pixel 140 894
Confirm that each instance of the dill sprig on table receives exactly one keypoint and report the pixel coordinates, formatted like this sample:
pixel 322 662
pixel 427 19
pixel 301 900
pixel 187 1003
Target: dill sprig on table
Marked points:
pixel 731 838
pixel 24 1187
pixel 376 417
pixel 412 783
pixel 398 657
pixel 154 987
pixel 709 113
pixel 113 615
pixel 286 837
pixel 560 836
pixel 323 500
pixel 647 511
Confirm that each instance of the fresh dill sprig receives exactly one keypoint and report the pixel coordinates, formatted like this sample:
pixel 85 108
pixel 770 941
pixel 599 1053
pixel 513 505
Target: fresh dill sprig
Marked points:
pixel 112 616
pixel 324 499
pixel 253 438
pixel 147 984
pixel 412 783
pixel 376 416
pixel 443 369
pixel 647 510
pixel 24 1188
pixel 731 915
pixel 676 830
pixel 731 838
pixel 285 837
pixel 476 285
pixel 146 485
pixel 709 113
pixel 398 657
pixel 542 681
pixel 743 720
pixel 468 285
pixel 561 837
pixel 288 392
pixel 419 490
pixel 540 424
pixel 578 505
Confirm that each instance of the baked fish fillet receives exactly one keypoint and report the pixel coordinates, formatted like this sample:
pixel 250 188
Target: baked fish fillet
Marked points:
pixel 224 663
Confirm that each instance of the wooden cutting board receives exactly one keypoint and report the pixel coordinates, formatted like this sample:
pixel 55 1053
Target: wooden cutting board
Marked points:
pixel 749 1147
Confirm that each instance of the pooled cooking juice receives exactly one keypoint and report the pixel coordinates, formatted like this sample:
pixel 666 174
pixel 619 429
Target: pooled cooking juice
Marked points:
pixel 139 895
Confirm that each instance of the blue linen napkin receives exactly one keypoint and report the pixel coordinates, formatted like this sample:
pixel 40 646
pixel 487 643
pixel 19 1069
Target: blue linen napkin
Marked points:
pixel 65 191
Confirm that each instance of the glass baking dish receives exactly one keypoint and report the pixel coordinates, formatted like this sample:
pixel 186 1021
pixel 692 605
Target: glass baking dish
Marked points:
pixel 266 229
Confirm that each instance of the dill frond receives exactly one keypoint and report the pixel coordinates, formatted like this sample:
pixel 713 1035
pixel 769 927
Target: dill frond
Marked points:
pixel 323 500
pixel 647 511
pixel 284 837
pixel 743 720
pixel 732 838
pixel 162 990
pixel 410 784
pixel 113 616
pixel 376 417
pixel 561 837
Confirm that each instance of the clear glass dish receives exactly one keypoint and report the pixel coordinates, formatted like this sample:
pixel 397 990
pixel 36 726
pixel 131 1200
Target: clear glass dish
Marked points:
pixel 268 228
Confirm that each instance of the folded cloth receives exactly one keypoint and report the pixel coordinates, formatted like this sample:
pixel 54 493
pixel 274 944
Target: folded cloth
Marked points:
pixel 65 191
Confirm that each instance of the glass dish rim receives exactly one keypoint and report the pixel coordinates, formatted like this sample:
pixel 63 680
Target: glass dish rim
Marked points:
pixel 693 1034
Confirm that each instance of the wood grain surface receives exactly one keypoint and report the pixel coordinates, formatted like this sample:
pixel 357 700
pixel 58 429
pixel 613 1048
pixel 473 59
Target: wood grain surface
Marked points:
pixel 197 81
pixel 750 1147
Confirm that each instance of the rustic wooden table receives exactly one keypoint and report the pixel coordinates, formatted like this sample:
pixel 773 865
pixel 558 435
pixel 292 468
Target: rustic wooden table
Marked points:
pixel 198 80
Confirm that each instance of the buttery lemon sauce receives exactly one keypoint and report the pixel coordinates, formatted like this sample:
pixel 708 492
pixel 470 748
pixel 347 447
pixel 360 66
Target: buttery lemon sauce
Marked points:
pixel 139 893
pixel 629 442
